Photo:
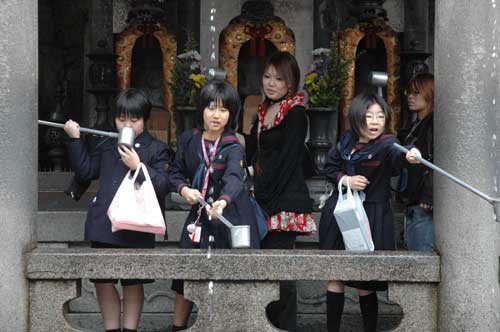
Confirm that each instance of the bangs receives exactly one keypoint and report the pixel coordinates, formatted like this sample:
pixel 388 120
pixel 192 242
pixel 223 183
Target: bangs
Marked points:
pixel 132 103
pixel 220 94
pixel 286 66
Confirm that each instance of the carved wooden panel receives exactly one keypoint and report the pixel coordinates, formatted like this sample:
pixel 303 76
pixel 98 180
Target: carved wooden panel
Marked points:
pixel 349 42
pixel 239 32
pixel 124 45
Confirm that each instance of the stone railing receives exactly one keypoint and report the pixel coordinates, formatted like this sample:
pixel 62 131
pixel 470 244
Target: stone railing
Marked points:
pixel 231 288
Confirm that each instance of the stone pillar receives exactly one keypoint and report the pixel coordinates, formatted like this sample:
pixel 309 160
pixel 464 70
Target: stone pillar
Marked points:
pixel 18 157
pixel 467 119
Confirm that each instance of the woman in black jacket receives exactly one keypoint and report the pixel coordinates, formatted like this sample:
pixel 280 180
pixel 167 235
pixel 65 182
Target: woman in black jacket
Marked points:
pixel 110 163
pixel 419 230
pixel 277 151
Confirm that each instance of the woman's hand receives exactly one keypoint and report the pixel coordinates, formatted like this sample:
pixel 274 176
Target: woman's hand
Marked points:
pixel 129 157
pixel 218 206
pixel 72 128
pixel 426 207
pixel 412 156
pixel 190 195
pixel 356 182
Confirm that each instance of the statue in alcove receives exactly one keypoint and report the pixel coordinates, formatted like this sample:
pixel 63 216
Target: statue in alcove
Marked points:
pixel 370 56
pixel 146 50
pixel 147 75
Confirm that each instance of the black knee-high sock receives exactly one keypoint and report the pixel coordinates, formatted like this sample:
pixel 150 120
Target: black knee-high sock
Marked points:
pixel 334 310
pixel 128 330
pixel 178 328
pixel 114 330
pixel 369 310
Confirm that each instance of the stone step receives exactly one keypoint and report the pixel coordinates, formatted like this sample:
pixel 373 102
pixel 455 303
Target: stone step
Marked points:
pixel 59 201
pixel 62 219
pixel 51 196
pixel 68 226
pixel 59 181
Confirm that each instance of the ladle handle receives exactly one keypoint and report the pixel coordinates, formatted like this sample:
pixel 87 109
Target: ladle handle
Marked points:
pixel 215 213
pixel 83 130
pixel 449 176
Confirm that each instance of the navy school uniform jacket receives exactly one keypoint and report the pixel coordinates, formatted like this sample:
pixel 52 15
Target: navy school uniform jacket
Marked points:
pixel 105 164
pixel 225 182
pixel 377 160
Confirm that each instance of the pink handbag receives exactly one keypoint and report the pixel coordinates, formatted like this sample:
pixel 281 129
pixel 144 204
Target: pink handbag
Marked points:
pixel 136 208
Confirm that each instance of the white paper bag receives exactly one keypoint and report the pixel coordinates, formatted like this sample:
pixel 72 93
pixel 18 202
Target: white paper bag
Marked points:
pixel 136 209
pixel 352 220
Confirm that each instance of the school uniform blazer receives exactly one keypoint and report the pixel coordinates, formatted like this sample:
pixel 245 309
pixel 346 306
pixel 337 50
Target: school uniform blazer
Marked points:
pixel 377 160
pixel 225 182
pixel 105 164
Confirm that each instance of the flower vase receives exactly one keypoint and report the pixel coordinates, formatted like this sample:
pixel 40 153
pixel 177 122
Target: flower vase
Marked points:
pixel 322 134
pixel 185 119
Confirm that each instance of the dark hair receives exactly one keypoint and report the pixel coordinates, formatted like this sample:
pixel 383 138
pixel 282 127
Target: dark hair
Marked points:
pixel 358 108
pixel 229 97
pixel 133 103
pixel 286 66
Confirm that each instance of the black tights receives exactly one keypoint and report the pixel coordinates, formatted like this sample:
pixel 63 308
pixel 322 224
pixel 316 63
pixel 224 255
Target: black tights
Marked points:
pixel 335 308
pixel 369 310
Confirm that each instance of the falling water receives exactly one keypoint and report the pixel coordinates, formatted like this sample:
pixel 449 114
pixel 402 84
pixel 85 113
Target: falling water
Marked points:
pixel 213 34
pixel 211 240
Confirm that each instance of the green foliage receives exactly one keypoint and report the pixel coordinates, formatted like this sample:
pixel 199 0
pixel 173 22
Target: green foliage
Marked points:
pixel 329 74
pixel 187 78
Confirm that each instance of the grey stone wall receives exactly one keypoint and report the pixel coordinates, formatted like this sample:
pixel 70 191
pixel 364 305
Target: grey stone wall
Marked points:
pixel 232 287
pixel 18 154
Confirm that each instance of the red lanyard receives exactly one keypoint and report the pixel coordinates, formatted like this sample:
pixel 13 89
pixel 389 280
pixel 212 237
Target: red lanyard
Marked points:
pixel 208 161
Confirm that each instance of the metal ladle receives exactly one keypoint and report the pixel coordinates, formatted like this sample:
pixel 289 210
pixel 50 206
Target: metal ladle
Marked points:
pixel 240 235
pixel 379 79
pixel 126 135
pixel 493 201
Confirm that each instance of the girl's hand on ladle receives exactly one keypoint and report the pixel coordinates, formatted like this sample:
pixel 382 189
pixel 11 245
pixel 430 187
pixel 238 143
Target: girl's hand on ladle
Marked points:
pixel 190 195
pixel 72 128
pixel 218 206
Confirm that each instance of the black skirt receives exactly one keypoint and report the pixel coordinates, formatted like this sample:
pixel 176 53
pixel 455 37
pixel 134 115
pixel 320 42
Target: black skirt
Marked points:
pixel 381 221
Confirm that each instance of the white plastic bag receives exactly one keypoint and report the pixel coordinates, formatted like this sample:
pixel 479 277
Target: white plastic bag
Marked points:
pixel 352 220
pixel 136 209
